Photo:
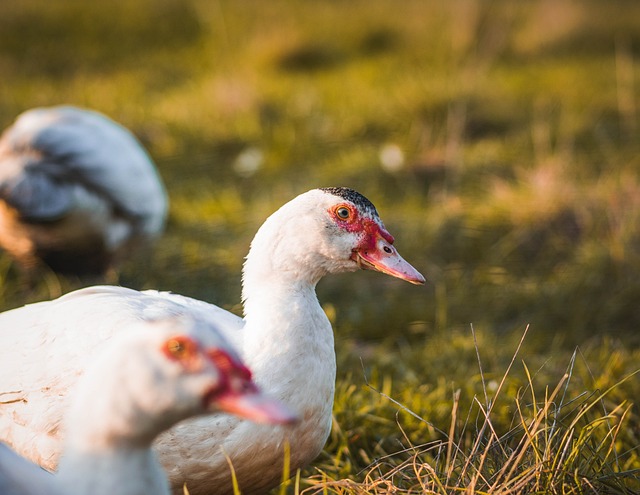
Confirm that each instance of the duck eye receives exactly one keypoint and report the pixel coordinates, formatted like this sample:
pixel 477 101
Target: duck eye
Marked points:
pixel 343 212
pixel 176 348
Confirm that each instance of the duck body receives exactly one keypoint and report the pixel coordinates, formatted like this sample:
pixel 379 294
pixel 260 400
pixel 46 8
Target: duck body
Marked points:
pixel 32 413
pixel 18 476
pixel 285 339
pixel 78 192
pixel 155 374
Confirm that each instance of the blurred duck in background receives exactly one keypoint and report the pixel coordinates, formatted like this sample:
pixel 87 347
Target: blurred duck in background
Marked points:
pixel 78 192
pixel 148 378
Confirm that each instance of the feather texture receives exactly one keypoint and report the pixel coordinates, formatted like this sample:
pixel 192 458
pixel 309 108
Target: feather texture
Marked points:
pixel 75 184
pixel 147 378
pixel 285 338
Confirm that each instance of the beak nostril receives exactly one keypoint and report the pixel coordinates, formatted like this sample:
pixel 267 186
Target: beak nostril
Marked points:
pixel 387 249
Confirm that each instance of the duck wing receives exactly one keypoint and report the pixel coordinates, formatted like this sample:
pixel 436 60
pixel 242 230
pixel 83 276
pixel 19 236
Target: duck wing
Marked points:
pixel 48 152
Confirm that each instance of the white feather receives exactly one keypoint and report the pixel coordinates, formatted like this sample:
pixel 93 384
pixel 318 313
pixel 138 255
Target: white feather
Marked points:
pixel 131 392
pixel 285 338
pixel 71 177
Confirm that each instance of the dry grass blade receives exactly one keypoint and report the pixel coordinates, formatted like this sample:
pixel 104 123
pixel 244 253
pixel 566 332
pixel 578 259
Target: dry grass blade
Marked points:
pixel 564 441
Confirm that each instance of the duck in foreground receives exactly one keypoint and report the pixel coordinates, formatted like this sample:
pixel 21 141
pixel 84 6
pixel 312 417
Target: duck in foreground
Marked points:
pixel 148 378
pixel 285 338
pixel 78 192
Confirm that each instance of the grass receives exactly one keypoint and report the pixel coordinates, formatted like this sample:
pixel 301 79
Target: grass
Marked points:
pixel 499 141
pixel 515 432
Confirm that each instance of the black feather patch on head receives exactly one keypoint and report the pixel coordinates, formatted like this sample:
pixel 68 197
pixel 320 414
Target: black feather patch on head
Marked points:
pixel 353 196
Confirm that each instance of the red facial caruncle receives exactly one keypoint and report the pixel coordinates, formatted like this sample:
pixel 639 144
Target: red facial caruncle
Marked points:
pixel 239 395
pixel 235 378
pixel 235 374
pixel 234 390
pixel 350 219
pixel 189 354
pixel 374 250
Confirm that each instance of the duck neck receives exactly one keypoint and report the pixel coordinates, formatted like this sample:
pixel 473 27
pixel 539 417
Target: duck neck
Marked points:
pixel 285 314
pixel 123 469
pixel 286 330
pixel 278 292
pixel 109 434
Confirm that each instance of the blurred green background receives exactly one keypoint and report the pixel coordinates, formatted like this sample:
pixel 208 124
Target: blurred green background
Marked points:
pixel 498 139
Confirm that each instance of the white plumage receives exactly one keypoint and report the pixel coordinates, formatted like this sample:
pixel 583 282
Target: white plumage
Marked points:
pixel 77 191
pixel 148 378
pixel 285 338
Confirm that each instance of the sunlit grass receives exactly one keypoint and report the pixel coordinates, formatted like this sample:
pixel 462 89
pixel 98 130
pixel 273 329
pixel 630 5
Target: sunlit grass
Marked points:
pixel 515 432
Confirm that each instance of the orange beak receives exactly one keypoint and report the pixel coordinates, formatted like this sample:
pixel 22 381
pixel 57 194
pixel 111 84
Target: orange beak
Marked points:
pixel 239 395
pixel 379 254
pixel 255 406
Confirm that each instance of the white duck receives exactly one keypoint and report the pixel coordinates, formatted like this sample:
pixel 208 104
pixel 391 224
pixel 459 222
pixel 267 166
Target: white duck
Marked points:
pixel 285 338
pixel 77 191
pixel 147 379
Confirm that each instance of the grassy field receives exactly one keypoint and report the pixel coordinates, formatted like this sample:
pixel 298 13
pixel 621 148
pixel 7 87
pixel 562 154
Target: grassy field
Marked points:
pixel 499 141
